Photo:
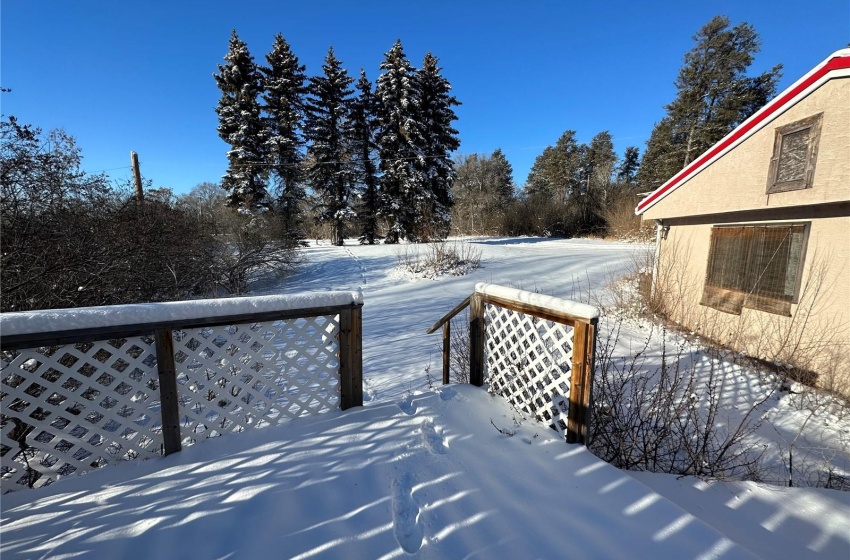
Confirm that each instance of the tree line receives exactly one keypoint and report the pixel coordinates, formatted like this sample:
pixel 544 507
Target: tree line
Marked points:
pixel 371 162
pixel 585 188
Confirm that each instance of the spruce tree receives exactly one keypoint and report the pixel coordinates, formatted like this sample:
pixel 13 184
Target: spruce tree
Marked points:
pixel 239 124
pixel 661 160
pixel 627 170
pixel 600 161
pixel 283 92
pixel 502 176
pixel 714 95
pixel 400 144
pixel 596 168
pixel 361 138
pixel 435 117
pixel 329 170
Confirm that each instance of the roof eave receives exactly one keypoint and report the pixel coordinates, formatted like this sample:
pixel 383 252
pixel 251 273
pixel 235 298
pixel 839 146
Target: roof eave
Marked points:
pixel 835 66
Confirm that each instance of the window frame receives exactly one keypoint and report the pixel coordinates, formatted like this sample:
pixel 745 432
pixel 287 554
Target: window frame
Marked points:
pixel 746 302
pixel 812 123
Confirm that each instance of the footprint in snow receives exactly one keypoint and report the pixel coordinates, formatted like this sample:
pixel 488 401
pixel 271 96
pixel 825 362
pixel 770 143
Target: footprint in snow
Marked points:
pixel 406 526
pixel 369 395
pixel 407 405
pixel 357 260
pixel 447 393
pixel 432 437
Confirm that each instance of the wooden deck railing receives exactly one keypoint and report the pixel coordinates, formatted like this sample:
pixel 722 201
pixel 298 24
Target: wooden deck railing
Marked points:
pixel 82 388
pixel 540 368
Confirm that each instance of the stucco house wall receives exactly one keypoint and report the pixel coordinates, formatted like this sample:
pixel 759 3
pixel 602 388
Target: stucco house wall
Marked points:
pixel 732 190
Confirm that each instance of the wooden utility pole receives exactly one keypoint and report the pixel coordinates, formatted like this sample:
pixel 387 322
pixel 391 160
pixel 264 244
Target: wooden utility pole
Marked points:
pixel 137 177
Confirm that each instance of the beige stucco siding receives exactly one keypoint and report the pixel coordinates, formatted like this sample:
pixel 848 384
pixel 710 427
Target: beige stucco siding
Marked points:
pixel 816 336
pixel 818 332
pixel 738 180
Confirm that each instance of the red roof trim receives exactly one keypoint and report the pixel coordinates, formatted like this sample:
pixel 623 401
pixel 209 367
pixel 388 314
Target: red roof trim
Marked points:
pixel 835 63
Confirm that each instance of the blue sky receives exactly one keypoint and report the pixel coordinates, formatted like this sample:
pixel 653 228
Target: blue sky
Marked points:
pixel 123 76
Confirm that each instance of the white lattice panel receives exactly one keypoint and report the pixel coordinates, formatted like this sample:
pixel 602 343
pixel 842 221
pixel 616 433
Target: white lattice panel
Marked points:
pixel 528 362
pixel 84 405
pixel 257 374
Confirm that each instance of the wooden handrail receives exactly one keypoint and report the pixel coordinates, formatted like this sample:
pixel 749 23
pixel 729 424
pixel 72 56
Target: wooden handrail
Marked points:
pixel 582 318
pixel 448 316
pixel 542 313
pixel 73 336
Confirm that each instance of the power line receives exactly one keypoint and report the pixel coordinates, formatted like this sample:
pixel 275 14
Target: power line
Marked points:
pixel 353 160
pixel 110 169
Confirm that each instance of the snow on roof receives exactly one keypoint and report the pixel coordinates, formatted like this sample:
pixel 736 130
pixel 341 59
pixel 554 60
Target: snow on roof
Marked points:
pixel 837 65
pixel 55 320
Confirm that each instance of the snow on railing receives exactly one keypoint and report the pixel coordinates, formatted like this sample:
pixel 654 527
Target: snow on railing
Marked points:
pixel 83 388
pixel 537 352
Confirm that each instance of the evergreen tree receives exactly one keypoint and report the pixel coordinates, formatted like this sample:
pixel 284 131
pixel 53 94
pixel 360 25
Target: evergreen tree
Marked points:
pixel 660 159
pixel 400 144
pixel 596 168
pixel 600 161
pixel 502 176
pixel 627 170
pixel 556 173
pixel 439 140
pixel 713 97
pixel 329 170
pixel 283 92
pixel 361 133
pixel 239 125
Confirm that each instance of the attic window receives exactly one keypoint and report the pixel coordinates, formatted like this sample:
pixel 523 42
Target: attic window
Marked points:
pixel 795 151
pixel 757 267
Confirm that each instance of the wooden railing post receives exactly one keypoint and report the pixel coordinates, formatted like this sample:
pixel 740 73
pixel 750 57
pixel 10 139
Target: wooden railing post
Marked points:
pixel 447 352
pixel 351 357
pixel 169 403
pixel 581 382
pixel 476 340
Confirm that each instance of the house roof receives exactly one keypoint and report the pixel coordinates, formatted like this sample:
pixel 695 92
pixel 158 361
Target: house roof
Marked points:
pixel 837 65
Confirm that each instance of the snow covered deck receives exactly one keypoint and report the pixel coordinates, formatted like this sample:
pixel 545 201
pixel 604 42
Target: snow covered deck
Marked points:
pixel 427 474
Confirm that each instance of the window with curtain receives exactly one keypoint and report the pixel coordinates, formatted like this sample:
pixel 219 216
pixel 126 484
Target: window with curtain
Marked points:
pixel 757 267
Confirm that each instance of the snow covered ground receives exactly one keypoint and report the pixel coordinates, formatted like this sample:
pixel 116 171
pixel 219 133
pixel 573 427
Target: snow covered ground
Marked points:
pixel 422 471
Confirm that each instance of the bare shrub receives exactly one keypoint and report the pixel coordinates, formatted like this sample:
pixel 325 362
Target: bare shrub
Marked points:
pixel 452 258
pixel 542 216
pixel 784 356
pixel 621 222
pixel 670 418
pixel 246 249
pixel 459 348
pixel 70 239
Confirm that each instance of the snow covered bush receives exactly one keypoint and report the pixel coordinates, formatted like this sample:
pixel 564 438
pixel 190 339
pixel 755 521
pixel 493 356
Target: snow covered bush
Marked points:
pixel 444 258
